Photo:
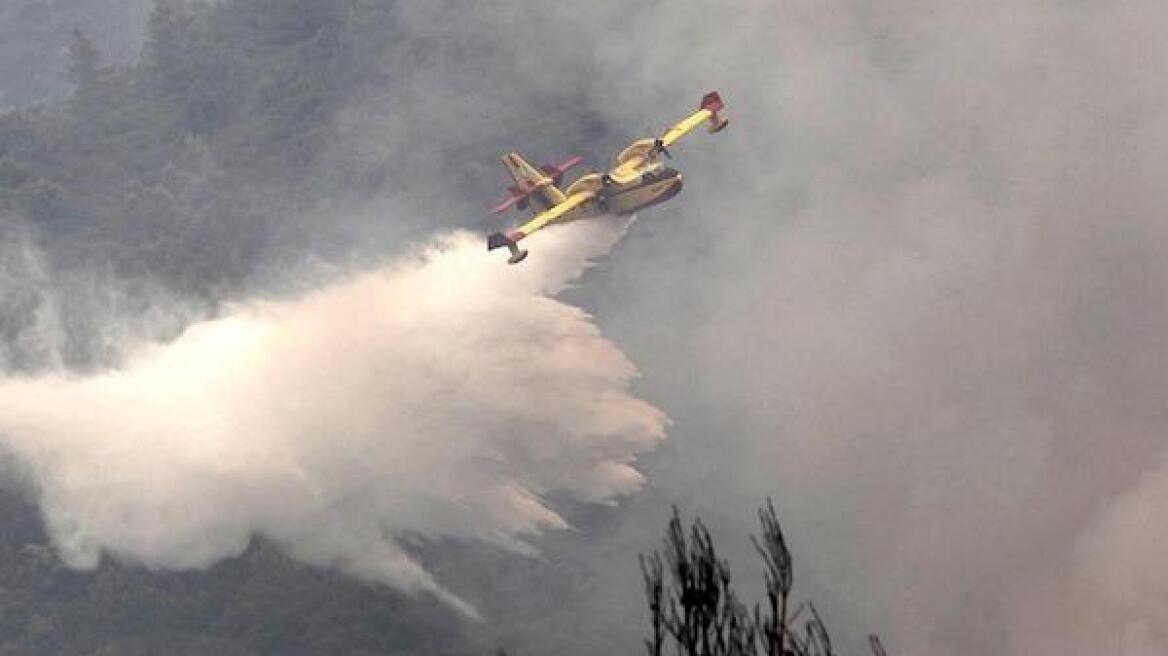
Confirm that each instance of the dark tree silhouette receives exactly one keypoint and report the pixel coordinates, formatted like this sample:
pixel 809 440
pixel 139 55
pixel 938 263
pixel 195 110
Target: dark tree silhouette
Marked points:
pixel 772 546
pixel 693 605
pixel 699 610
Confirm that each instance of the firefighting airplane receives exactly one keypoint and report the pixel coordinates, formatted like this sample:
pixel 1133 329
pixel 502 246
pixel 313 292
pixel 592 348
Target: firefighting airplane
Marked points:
pixel 639 179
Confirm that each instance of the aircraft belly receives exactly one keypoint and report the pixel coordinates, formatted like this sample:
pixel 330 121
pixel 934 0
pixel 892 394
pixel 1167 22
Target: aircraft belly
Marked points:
pixel 629 201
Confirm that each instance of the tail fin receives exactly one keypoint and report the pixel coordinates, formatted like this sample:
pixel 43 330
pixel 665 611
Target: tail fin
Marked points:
pixel 525 174
pixel 532 182
pixel 542 184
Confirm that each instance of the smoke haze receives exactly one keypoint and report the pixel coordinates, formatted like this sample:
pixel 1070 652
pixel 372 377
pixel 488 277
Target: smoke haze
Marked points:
pixel 916 292
pixel 441 396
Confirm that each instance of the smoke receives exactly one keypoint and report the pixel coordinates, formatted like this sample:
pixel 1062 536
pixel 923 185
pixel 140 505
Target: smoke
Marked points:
pixel 916 292
pixel 440 396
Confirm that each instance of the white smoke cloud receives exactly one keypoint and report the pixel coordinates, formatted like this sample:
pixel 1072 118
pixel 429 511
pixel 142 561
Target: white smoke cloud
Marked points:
pixel 440 396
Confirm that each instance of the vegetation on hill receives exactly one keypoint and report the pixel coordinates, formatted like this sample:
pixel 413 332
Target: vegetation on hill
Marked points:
pixel 254 133
pixel 34 39
pixel 694 609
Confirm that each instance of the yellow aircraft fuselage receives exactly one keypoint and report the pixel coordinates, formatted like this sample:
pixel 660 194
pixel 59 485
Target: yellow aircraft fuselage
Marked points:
pixel 639 180
pixel 654 187
pixel 651 188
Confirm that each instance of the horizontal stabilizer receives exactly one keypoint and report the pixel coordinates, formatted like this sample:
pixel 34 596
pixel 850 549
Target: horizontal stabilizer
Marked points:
pixel 519 200
pixel 536 188
pixel 556 173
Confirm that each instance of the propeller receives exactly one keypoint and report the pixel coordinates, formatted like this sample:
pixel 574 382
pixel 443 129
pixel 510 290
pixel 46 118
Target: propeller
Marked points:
pixel 603 194
pixel 659 147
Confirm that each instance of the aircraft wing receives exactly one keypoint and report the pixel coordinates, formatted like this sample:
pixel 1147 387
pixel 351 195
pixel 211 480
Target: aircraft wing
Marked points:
pixel 710 106
pixel 550 215
pixel 541 220
pixel 629 169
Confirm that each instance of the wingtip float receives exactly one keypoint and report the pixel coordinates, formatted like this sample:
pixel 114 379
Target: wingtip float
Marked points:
pixel 639 180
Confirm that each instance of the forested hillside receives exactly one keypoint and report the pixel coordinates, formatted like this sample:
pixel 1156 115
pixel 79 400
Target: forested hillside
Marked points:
pixel 249 139
pixel 253 134
pixel 260 603
pixel 34 39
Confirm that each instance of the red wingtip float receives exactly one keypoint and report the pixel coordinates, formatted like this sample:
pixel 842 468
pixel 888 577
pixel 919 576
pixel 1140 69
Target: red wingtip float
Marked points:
pixel 639 179
pixel 712 103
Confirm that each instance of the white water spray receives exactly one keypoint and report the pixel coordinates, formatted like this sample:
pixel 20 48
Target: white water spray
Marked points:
pixel 441 396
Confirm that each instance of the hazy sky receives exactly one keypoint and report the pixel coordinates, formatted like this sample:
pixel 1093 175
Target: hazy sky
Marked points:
pixel 916 292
